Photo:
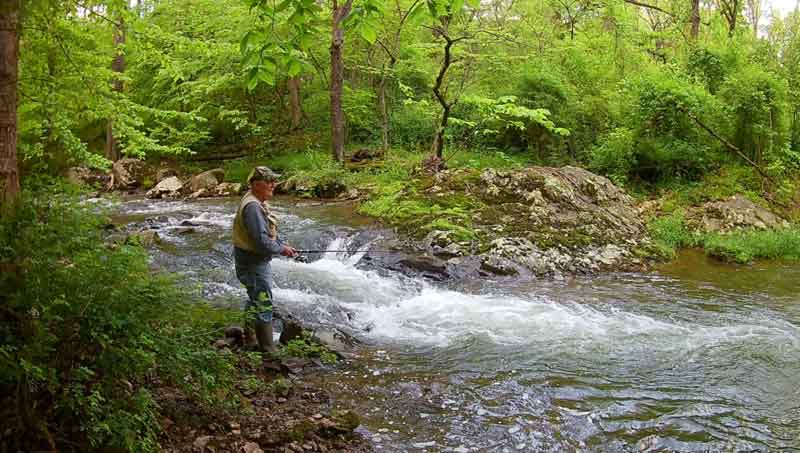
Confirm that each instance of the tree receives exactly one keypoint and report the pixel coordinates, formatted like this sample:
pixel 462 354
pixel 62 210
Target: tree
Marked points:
pixel 730 11
pixel 9 55
pixel 118 66
pixel 753 12
pixel 340 12
pixel 274 54
pixel 391 47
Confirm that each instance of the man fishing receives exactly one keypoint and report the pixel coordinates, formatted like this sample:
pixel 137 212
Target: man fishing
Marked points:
pixel 255 243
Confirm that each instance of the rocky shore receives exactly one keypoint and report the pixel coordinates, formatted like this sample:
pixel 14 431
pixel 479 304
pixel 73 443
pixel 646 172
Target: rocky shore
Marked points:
pixel 541 221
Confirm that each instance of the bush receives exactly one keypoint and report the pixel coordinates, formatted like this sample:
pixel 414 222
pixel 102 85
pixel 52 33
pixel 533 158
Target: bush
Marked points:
pixel 79 349
pixel 707 67
pixel 669 233
pixel 757 104
pixel 746 246
pixel 664 142
pixel 615 155
pixel 308 347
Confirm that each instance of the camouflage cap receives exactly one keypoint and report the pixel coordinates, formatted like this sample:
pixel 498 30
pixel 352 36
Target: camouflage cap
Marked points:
pixel 262 173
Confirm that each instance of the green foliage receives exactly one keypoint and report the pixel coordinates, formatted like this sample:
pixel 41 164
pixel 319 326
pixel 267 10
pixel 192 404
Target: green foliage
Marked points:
pixel 615 155
pixel 79 349
pixel 746 246
pixel 757 103
pixel 307 347
pixel 669 233
pixel 707 67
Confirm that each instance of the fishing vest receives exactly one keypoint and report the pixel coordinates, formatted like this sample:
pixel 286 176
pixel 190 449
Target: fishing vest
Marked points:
pixel 241 237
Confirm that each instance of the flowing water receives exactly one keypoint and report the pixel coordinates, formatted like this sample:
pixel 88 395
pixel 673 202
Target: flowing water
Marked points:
pixel 695 357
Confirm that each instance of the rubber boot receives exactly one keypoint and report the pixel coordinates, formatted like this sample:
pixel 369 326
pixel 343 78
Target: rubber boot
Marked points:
pixel 264 335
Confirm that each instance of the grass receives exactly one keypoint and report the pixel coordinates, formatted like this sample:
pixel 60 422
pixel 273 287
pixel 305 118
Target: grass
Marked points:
pixel 670 233
pixel 746 246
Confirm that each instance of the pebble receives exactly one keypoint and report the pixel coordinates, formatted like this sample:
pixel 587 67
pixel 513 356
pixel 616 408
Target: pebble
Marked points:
pixel 317 416
pixel 252 447
pixel 424 444
pixel 202 441
pixel 513 429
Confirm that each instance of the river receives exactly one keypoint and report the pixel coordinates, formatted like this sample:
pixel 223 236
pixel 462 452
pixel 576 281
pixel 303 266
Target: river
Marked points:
pixel 697 356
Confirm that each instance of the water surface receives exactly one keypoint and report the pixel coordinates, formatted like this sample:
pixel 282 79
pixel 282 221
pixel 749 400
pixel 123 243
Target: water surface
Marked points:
pixel 695 356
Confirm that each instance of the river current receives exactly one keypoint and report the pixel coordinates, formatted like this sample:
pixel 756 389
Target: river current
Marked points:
pixel 696 356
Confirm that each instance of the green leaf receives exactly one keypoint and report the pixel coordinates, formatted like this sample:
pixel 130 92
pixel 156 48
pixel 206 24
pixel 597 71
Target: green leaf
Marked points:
pixel 474 3
pixel 368 33
pixel 295 67
pixel 244 42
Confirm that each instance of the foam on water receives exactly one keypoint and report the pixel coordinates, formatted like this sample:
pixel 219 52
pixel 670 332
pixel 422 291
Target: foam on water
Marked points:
pixel 223 220
pixel 414 312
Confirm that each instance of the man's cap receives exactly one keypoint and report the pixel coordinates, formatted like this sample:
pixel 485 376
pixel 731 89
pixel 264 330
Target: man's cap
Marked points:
pixel 262 173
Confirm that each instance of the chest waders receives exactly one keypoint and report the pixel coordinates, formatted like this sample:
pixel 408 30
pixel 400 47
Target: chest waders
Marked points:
pixel 255 273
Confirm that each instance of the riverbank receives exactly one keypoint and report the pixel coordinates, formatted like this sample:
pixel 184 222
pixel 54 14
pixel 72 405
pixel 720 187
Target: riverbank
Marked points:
pixel 563 217
pixel 102 349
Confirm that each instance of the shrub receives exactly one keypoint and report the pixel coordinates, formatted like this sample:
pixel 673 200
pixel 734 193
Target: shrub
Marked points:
pixel 669 233
pixel 80 347
pixel 707 67
pixel 308 347
pixel 746 246
pixel 756 101
pixel 615 155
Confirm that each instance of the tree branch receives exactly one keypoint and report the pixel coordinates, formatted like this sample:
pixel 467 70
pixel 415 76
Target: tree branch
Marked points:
pixel 646 5
pixel 728 144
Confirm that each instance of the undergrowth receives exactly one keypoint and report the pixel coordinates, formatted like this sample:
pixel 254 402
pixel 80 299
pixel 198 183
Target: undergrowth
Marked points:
pixel 671 233
pixel 88 332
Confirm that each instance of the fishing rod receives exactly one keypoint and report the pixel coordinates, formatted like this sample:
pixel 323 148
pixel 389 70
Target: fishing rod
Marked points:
pixel 343 251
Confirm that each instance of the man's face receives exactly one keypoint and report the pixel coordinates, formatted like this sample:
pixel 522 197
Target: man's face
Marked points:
pixel 263 190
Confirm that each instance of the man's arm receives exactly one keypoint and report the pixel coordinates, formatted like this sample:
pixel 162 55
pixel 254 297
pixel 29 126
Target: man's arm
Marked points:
pixel 257 229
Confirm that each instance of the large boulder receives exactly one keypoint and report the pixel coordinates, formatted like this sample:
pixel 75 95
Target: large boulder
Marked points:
pixel 733 213
pixel 542 220
pixel 163 173
pixel 127 173
pixel 168 188
pixel 565 206
pixel 204 181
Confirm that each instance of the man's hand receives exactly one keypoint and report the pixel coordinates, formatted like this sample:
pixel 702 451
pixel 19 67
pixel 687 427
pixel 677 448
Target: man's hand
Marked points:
pixel 288 251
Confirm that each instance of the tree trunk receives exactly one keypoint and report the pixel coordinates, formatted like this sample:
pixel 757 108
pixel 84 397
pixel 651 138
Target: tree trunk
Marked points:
pixel 384 113
pixel 9 54
pixel 295 109
pixel 118 66
pixel 437 146
pixel 337 79
pixel 695 19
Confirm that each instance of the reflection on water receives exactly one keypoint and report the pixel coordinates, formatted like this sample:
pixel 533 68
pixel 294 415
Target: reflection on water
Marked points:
pixel 698 356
